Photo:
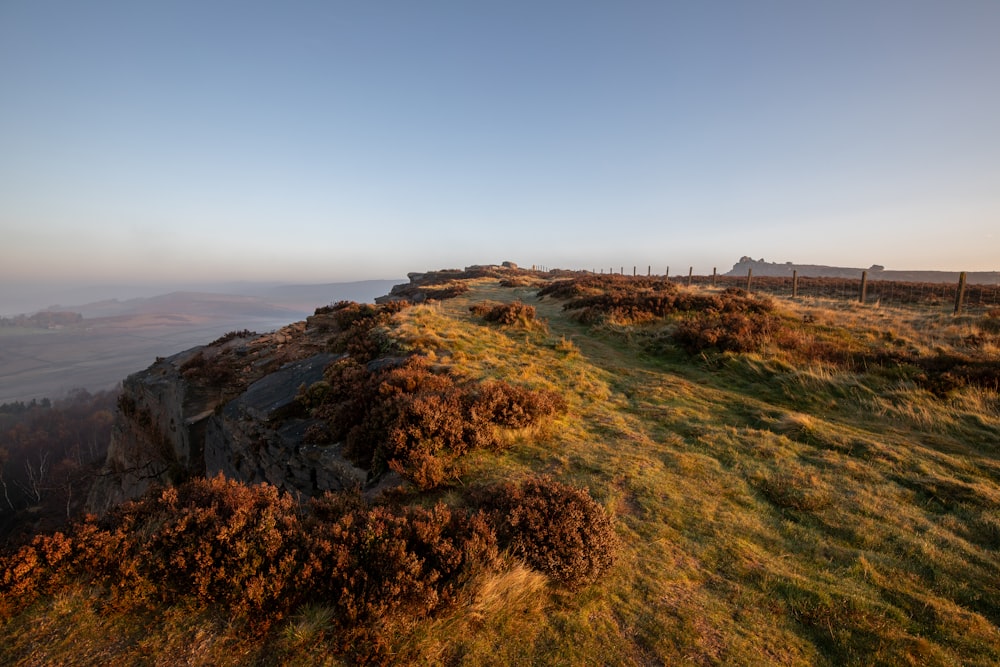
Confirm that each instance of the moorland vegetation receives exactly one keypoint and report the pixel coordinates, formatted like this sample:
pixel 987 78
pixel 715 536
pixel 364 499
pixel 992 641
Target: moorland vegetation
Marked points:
pixel 602 469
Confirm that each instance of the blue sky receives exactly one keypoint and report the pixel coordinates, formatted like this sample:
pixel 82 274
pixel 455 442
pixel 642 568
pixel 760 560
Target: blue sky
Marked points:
pixel 325 141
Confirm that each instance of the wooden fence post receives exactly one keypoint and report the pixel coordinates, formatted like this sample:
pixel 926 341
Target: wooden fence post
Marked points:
pixel 795 283
pixel 633 270
pixel 713 275
pixel 960 294
pixel 649 270
pixel 863 292
pixel 666 276
pixel 749 277
pixel 690 274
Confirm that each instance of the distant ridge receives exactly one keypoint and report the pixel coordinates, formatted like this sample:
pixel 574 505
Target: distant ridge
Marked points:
pixel 875 272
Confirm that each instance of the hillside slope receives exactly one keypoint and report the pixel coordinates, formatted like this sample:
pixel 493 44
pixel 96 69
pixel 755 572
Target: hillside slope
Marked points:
pixel 790 483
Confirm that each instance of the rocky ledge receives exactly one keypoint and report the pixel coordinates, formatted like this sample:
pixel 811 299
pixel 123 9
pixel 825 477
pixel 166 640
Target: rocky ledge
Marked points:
pixel 226 407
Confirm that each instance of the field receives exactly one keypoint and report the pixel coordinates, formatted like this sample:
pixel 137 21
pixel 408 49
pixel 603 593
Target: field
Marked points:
pixel 793 482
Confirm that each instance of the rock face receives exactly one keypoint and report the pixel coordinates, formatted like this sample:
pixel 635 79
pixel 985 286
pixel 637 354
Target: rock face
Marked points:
pixel 252 440
pixel 230 408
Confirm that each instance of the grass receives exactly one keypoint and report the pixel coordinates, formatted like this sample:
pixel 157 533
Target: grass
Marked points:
pixel 773 509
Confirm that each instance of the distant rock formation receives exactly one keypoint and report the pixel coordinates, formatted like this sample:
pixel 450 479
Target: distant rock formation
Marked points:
pixel 875 272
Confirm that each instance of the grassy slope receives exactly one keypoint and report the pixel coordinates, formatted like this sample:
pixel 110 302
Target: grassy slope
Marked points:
pixel 770 514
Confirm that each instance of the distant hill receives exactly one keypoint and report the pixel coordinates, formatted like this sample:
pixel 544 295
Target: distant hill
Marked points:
pixel 875 272
pixel 94 345
pixel 294 301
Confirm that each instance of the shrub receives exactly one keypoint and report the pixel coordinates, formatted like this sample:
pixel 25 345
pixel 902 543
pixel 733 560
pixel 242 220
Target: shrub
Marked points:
pixel 378 561
pixel 216 540
pixel 409 419
pixel 254 552
pixel 624 300
pixel 216 370
pixel 557 529
pixel 504 313
pixel 32 570
pixel 725 331
pixel 232 335
pixel 513 406
pixel 357 327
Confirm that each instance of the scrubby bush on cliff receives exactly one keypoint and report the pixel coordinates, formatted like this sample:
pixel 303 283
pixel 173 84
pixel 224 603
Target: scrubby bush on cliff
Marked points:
pixel 407 418
pixel 230 336
pixel 356 327
pixel 556 528
pixel 214 370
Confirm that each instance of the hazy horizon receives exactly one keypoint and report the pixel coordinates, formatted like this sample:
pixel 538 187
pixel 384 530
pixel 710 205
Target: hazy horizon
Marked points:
pixel 313 142
pixel 27 297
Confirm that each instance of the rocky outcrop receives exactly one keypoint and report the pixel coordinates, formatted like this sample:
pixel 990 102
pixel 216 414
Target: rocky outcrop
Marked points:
pixel 254 440
pixel 437 284
pixel 156 437
pixel 230 408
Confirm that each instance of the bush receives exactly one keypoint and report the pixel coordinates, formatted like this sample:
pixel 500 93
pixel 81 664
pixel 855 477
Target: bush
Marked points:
pixel 557 529
pixel 506 314
pixel 254 552
pixel 378 561
pixel 217 540
pixel 515 407
pixel 625 300
pixel 357 327
pixel 232 335
pixel 725 331
pixel 406 418
pixel 216 370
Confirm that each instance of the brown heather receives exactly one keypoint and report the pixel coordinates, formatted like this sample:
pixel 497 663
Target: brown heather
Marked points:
pixel 648 474
pixel 417 422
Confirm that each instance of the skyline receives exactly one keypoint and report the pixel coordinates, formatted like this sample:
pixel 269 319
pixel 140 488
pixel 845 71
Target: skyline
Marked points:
pixel 323 142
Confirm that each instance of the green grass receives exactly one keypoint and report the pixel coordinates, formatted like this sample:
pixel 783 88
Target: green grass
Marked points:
pixel 771 511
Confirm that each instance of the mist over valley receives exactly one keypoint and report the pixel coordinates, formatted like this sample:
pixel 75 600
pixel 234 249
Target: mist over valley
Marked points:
pixel 94 344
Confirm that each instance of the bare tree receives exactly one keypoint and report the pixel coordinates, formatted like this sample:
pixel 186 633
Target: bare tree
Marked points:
pixel 34 484
pixel 4 457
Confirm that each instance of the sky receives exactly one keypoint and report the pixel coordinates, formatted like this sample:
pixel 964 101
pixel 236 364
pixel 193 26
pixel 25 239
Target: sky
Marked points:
pixel 337 140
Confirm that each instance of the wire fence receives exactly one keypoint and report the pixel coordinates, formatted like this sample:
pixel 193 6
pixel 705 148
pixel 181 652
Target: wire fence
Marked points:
pixel 955 297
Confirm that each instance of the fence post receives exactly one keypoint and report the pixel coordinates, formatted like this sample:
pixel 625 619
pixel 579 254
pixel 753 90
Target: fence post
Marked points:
pixel 713 275
pixel 863 292
pixel 749 277
pixel 960 294
pixel 795 283
pixel 690 274
pixel 622 269
pixel 633 270
pixel 649 270
pixel 666 276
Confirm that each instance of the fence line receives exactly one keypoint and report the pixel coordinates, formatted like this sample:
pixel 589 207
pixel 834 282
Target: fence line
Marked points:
pixel 957 298
pixel 891 293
